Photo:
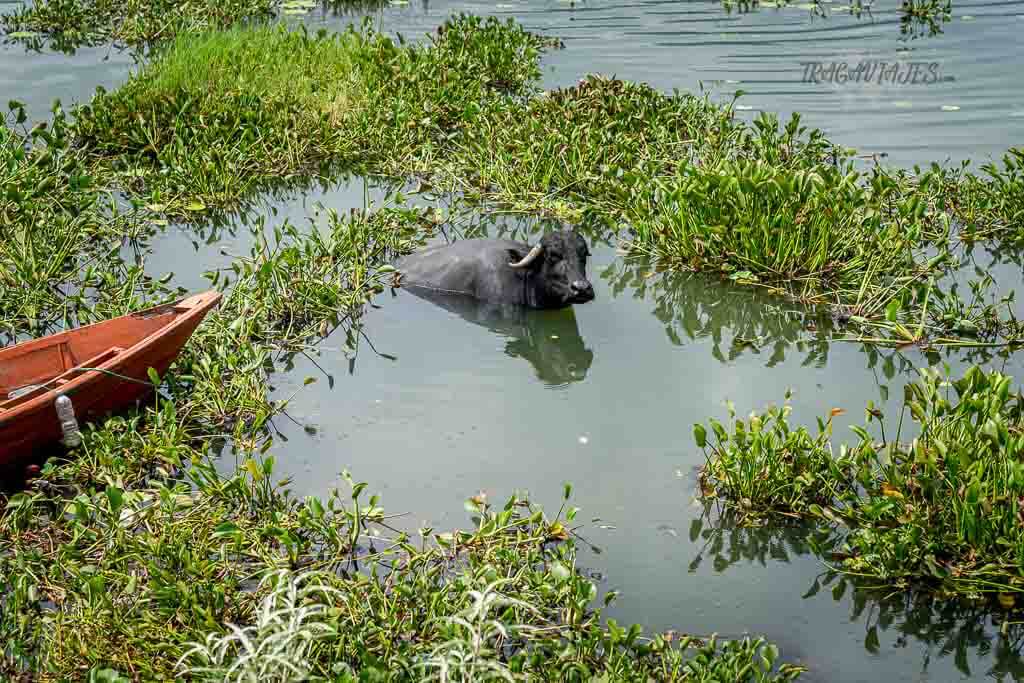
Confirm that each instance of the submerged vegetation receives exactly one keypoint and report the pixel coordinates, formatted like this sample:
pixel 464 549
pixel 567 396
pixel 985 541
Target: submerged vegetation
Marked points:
pixel 943 506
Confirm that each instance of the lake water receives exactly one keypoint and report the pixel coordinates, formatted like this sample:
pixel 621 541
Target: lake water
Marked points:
pixel 605 395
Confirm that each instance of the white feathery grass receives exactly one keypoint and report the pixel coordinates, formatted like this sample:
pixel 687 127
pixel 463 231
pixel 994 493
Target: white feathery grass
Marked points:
pixel 274 649
pixel 473 654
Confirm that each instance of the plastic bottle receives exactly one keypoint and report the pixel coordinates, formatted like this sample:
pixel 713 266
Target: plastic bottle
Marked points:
pixel 68 423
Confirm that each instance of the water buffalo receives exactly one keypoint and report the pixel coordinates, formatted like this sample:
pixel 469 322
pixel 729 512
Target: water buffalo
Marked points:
pixel 549 340
pixel 550 274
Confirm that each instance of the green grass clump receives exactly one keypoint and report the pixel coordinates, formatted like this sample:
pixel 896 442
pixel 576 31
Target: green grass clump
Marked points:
pixel 581 145
pixel 224 113
pixel 943 508
pixel 73 23
pixel 763 466
pixel 220 115
pixel 599 144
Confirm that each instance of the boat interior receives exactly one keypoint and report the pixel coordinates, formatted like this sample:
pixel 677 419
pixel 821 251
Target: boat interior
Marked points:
pixel 32 368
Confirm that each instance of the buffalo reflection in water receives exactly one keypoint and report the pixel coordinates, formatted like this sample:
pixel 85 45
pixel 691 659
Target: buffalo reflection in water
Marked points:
pixel 549 340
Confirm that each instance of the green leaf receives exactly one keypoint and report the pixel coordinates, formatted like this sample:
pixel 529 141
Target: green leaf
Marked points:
pixel 743 276
pixel 315 507
pixel 115 497
pixel 700 435
pixel 871 641
pixel 18 500
pixel 226 529
pixel 892 310
pixel 154 378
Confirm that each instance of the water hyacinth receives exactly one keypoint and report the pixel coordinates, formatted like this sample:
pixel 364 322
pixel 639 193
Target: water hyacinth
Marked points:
pixel 68 24
pixel 136 557
pixel 676 176
pixel 943 508
pixel 168 585
pixel 61 234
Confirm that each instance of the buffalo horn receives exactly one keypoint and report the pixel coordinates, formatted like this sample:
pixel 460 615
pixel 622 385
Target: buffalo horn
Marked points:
pixel 529 258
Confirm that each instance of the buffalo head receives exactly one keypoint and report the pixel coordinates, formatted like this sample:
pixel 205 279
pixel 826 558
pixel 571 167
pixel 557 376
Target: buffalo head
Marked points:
pixel 557 269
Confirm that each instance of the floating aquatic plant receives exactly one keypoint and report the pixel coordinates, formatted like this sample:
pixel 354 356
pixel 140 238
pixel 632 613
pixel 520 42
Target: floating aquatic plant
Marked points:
pixel 940 506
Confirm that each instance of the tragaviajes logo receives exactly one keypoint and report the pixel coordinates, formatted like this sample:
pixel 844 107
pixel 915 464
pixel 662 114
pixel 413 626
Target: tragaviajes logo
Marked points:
pixel 877 72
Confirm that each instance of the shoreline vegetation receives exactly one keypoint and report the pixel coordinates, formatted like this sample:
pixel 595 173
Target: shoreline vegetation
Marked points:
pixel 128 560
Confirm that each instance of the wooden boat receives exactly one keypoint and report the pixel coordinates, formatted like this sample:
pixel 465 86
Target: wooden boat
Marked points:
pixel 101 368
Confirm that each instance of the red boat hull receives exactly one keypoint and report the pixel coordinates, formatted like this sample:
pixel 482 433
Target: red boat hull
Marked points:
pixel 31 425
